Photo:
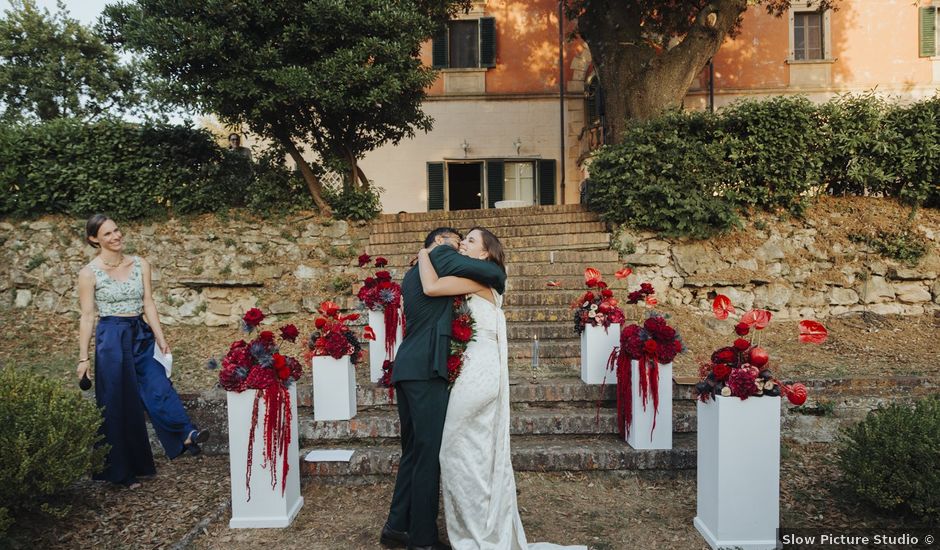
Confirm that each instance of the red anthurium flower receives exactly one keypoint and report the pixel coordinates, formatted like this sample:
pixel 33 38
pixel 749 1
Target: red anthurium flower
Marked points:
pixel 623 273
pixel 381 262
pixel 320 323
pixel 757 318
pixel 368 333
pixel 328 308
pixel 364 259
pixel 812 332
pixel 796 394
pixel 592 277
pixel 553 284
pixel 722 307
pixel 350 317
pixel 651 301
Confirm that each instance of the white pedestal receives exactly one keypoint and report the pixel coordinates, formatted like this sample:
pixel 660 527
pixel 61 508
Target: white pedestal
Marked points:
pixel 377 347
pixel 596 347
pixel 267 507
pixel 334 388
pixel 739 472
pixel 640 436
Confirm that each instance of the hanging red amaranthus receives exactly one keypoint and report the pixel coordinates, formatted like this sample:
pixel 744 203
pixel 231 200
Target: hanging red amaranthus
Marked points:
pixel 259 365
pixel 380 293
pixel 651 344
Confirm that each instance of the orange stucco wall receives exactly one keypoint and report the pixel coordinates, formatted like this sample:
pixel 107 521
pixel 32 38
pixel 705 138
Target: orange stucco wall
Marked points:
pixel 526 48
pixel 873 42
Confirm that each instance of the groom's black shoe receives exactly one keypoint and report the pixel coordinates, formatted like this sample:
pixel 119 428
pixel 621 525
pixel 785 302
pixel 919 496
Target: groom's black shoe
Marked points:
pixel 393 539
pixel 436 546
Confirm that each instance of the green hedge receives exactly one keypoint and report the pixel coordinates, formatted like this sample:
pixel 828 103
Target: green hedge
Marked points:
pixel 134 171
pixel 46 437
pixel 891 459
pixel 695 173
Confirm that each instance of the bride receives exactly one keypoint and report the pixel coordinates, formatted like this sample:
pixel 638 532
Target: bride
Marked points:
pixel 477 479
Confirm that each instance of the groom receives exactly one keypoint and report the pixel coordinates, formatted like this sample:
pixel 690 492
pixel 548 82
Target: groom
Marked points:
pixel 420 377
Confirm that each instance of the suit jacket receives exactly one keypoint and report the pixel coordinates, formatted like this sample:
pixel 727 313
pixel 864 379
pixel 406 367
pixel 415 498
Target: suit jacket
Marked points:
pixel 423 352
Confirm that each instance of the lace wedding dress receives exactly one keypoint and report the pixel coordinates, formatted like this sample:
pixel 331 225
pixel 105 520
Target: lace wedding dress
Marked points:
pixel 477 479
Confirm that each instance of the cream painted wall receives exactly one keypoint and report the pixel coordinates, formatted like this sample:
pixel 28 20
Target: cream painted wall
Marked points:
pixel 489 126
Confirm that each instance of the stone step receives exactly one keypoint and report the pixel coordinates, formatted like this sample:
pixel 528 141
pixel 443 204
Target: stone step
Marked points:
pixel 583 258
pixel 557 271
pixel 525 420
pixel 569 285
pixel 488 213
pixel 550 351
pixel 529 314
pixel 554 332
pixel 503 233
pixel 493 224
pixel 579 241
pixel 532 453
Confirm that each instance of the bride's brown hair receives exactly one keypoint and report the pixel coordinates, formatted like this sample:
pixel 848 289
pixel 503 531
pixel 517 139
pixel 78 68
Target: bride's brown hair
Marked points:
pixel 493 247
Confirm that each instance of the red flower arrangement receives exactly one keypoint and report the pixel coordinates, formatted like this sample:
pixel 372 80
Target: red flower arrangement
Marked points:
pixel 381 293
pixel 596 307
pixel 260 365
pixel 740 370
pixel 651 344
pixel 332 336
pixel 461 333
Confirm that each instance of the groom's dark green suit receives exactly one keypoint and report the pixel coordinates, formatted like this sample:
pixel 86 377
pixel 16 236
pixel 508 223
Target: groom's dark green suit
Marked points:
pixel 420 376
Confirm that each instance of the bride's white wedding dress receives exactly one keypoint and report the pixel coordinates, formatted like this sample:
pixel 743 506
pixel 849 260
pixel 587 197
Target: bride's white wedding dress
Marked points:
pixel 477 479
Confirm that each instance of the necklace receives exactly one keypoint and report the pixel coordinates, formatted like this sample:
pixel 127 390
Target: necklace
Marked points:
pixel 105 262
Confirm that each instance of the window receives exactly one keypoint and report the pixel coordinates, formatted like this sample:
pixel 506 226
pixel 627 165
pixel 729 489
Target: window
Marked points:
pixel 807 36
pixel 929 31
pixel 810 33
pixel 519 182
pixel 463 39
pixel 465 44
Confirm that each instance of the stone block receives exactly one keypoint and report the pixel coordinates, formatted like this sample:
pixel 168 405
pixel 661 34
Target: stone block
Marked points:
pixel 697 258
pixel 219 307
pixel 770 251
pixel 740 299
pixel 901 273
pixel 283 307
pixel 886 309
pixel 23 298
pixel 875 290
pixel 912 292
pixel 646 259
pixel 935 290
pixel 306 272
pixel 773 296
pixel 213 320
pixel 806 297
pixel 749 264
pixel 839 296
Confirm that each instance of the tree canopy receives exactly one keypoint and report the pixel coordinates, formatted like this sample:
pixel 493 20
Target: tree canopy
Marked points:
pixel 647 52
pixel 52 66
pixel 339 77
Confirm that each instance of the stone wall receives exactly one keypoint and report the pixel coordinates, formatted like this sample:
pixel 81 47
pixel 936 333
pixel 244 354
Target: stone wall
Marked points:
pixel 796 269
pixel 207 270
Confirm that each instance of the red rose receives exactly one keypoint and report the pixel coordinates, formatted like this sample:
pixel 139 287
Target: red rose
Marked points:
pixel 383 275
pixel 650 346
pixel 364 259
pixel 741 344
pixel 721 371
pixel 369 281
pixel 253 317
pixel 278 361
pixel 453 363
pixel 266 336
pixel 381 262
pixel 724 355
pixel 607 293
pixel 289 333
pixel 742 329
pixel 320 323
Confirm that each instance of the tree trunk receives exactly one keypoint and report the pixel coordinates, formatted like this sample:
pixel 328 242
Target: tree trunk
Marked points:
pixel 313 183
pixel 362 177
pixel 639 80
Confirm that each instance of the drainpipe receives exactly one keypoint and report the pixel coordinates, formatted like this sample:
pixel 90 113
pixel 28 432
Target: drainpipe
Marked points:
pixel 561 92
pixel 711 86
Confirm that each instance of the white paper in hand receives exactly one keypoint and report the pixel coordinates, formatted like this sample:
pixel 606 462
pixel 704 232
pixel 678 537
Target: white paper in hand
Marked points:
pixel 165 359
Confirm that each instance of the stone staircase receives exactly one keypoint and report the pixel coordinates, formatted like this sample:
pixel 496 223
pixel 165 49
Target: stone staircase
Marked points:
pixel 558 423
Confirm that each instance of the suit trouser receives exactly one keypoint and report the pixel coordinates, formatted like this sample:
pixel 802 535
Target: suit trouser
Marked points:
pixel 422 405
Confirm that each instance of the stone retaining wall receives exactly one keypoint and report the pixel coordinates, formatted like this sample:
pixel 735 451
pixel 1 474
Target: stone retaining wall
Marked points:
pixel 207 270
pixel 791 268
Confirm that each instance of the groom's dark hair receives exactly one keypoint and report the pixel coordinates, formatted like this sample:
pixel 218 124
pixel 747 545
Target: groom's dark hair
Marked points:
pixel 429 240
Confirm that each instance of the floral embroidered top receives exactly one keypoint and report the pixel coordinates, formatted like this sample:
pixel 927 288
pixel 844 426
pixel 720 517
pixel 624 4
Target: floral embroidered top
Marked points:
pixel 119 297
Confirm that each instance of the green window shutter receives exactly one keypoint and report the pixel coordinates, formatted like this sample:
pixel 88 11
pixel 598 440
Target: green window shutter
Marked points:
pixel 495 180
pixel 487 42
pixel 435 186
pixel 928 31
pixel 439 48
pixel 547 181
